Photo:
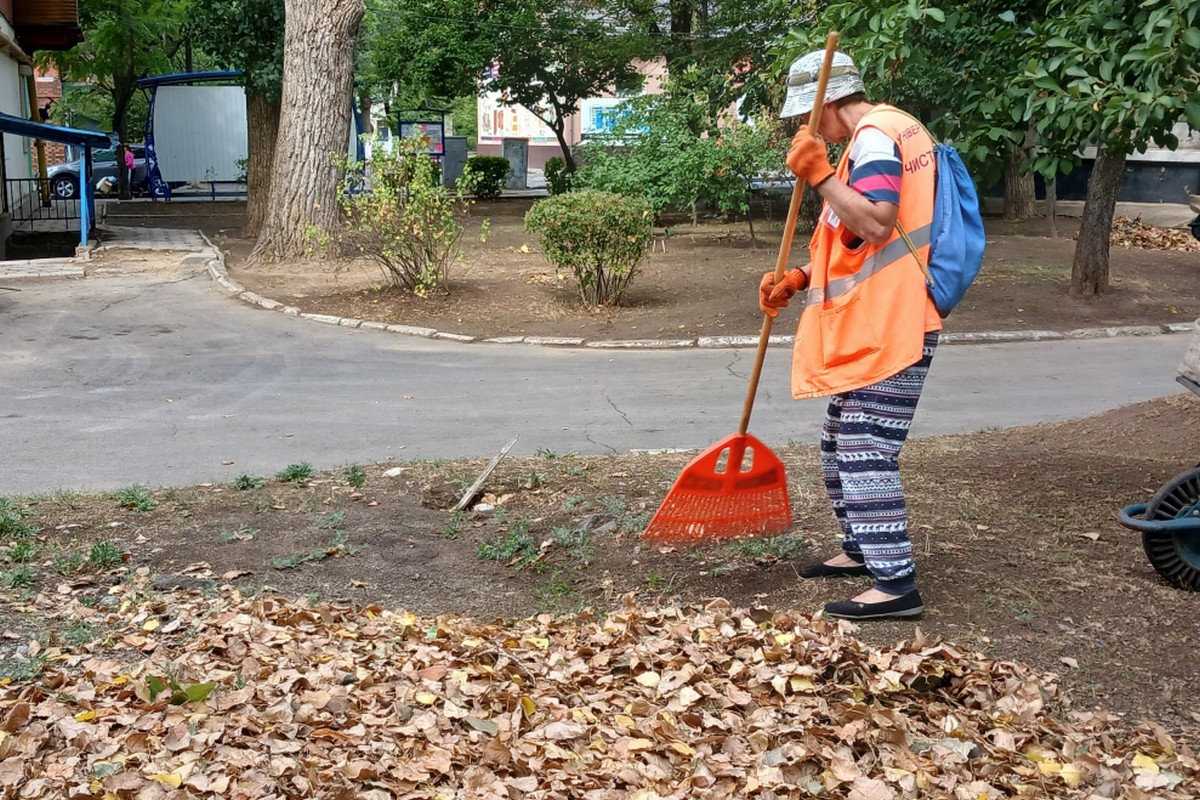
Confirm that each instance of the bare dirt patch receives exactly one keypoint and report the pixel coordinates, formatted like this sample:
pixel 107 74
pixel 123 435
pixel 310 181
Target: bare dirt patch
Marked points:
pixel 705 284
pixel 1019 554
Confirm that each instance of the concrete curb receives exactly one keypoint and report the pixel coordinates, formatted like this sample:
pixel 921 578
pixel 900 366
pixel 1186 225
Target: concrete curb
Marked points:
pixel 216 268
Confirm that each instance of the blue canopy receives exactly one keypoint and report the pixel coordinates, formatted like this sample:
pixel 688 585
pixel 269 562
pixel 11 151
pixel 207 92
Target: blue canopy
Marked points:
pixel 184 78
pixel 52 133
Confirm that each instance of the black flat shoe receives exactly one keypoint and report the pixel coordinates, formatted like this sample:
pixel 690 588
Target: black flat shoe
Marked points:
pixel 822 570
pixel 907 605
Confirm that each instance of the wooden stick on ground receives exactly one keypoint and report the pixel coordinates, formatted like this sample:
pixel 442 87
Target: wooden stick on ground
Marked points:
pixel 474 488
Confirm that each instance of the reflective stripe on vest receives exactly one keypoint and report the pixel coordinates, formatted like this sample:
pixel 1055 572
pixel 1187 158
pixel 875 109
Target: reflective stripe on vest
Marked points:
pixel 886 256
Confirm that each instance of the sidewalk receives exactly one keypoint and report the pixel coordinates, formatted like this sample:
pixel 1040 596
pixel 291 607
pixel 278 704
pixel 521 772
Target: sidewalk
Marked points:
pixel 1164 215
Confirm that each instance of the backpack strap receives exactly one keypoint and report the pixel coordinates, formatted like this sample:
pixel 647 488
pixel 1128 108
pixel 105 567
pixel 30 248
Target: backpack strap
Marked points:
pixel 900 228
pixel 912 248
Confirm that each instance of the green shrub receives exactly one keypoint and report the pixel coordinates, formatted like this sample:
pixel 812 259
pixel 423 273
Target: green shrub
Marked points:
pixel 404 220
pixel 300 472
pixel 557 177
pixel 136 498
pixel 486 175
pixel 598 236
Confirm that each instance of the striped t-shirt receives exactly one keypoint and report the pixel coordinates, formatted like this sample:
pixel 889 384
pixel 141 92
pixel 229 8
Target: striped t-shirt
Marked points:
pixel 875 166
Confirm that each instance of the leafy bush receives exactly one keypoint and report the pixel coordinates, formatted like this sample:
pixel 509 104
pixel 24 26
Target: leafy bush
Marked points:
pixel 403 218
pixel 598 236
pixel 486 175
pixel 557 177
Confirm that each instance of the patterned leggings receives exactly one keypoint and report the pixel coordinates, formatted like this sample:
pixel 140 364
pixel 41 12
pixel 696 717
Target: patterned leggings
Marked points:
pixel 860 448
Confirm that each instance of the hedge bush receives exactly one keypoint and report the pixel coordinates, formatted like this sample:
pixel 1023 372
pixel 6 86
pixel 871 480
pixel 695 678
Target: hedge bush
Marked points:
pixel 558 180
pixel 599 237
pixel 403 218
pixel 485 176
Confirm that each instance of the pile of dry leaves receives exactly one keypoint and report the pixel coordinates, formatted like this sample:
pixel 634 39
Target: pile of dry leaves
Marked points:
pixel 1135 233
pixel 226 696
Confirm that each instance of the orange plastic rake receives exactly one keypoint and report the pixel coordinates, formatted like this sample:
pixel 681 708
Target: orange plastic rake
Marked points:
pixel 737 487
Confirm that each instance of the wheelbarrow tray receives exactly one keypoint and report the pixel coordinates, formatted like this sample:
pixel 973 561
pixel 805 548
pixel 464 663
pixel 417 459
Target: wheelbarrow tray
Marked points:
pixel 1189 370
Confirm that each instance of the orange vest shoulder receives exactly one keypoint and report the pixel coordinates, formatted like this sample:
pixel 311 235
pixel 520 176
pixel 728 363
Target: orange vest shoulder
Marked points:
pixel 867 308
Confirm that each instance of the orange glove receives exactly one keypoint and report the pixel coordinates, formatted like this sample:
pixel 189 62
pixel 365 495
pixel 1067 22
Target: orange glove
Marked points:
pixel 808 159
pixel 772 296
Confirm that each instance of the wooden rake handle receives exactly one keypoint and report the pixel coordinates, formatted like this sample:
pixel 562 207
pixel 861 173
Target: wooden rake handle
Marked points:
pixel 789 229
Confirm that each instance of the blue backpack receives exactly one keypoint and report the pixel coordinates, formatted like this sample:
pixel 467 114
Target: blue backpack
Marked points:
pixel 956 238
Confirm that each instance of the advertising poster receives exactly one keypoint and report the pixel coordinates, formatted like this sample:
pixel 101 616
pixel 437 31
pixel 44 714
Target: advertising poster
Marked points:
pixel 499 121
pixel 432 133
pixel 599 114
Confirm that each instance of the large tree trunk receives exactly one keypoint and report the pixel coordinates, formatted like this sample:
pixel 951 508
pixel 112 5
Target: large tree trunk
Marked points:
pixel 121 101
pixel 124 85
pixel 1020 199
pixel 314 124
pixel 1089 271
pixel 1052 206
pixel 262 115
pixel 682 27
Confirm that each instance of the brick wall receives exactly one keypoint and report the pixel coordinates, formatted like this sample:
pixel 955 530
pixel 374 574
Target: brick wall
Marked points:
pixel 49 90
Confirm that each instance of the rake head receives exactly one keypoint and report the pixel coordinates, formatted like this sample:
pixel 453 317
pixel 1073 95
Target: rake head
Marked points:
pixel 733 489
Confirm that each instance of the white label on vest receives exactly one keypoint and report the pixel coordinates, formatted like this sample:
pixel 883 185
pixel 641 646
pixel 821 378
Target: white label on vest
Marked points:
pixel 830 217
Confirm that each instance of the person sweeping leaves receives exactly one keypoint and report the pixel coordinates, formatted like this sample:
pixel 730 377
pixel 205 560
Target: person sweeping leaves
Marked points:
pixel 868 329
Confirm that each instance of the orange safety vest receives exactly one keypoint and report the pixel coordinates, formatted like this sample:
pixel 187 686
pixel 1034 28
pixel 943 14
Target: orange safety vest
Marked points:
pixel 867 309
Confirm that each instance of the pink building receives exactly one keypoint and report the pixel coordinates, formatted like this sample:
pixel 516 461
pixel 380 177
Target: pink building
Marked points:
pixel 497 122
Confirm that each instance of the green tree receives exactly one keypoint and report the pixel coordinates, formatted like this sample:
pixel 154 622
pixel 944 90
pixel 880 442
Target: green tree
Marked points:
pixel 552 54
pixel 247 35
pixel 954 64
pixel 729 42
pixel 124 41
pixel 425 52
pixel 1114 75
pixel 422 54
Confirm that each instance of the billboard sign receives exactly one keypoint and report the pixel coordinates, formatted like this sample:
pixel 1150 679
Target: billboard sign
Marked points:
pixel 498 120
pixel 432 133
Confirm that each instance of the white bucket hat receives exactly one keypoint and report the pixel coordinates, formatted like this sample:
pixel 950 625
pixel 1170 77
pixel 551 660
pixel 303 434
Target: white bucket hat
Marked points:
pixel 844 81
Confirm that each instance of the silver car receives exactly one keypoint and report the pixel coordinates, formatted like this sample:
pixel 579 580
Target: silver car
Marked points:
pixel 64 178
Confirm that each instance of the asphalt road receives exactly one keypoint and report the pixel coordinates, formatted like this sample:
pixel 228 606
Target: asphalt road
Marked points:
pixel 107 382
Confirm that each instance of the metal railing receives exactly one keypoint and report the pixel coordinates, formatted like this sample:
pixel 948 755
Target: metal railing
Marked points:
pixel 34 206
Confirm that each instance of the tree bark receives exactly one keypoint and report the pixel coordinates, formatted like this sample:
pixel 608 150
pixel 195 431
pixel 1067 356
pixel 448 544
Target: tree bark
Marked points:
pixel 125 84
pixel 1020 200
pixel 568 158
pixel 121 100
pixel 1089 271
pixel 682 25
pixel 262 116
pixel 314 124
pixel 558 124
pixel 1052 206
